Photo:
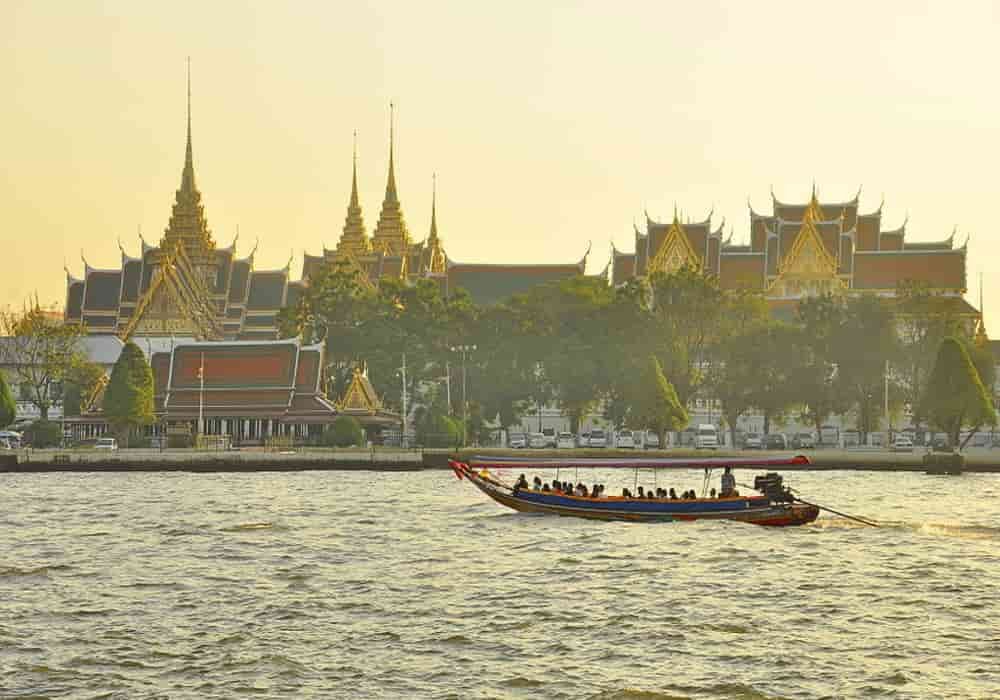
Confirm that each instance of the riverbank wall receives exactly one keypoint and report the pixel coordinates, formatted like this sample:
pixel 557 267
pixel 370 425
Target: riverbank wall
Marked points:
pixel 385 459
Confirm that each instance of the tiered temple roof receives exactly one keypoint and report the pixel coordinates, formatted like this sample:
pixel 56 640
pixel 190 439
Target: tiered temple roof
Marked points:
pixel 278 380
pixel 799 250
pixel 185 286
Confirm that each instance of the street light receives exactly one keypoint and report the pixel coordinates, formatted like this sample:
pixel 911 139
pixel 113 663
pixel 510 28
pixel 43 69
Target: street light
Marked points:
pixel 465 350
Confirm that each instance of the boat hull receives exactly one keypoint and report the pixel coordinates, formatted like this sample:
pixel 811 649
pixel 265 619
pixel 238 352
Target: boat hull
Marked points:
pixel 757 510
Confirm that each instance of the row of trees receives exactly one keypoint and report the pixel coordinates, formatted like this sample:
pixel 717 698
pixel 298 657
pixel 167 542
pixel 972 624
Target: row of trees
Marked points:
pixel 581 344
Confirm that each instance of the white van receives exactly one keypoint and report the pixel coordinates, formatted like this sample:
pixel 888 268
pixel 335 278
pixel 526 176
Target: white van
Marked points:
pixel 706 438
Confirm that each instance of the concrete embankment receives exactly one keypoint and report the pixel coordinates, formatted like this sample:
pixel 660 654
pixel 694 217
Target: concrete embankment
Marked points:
pixel 311 459
pixel 210 461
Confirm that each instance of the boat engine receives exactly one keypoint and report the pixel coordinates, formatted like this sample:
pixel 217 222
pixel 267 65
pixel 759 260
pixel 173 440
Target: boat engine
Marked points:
pixel 772 486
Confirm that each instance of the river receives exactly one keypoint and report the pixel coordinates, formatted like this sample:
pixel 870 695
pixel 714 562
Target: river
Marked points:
pixel 413 585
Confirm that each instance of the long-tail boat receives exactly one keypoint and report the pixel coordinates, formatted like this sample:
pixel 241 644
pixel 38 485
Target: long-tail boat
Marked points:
pixel 773 504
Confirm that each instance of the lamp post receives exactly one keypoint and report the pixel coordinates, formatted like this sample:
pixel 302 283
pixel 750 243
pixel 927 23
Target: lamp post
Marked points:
pixel 201 397
pixel 464 350
pixel 402 370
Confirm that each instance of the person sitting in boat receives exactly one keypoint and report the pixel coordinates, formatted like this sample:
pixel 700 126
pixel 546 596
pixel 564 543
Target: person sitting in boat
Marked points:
pixel 545 487
pixel 728 482
pixel 522 483
pixel 536 484
pixel 595 491
pixel 673 494
pixel 712 492
pixel 626 493
pixel 642 494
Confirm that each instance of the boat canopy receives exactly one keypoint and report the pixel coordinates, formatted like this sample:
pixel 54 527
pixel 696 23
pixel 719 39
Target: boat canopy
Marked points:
pixel 501 462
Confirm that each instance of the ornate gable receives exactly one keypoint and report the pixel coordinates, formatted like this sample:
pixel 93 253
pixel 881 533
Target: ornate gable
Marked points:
pixel 808 268
pixel 675 252
pixel 360 396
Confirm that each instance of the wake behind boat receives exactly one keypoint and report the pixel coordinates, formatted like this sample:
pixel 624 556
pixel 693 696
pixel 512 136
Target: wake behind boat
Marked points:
pixel 774 505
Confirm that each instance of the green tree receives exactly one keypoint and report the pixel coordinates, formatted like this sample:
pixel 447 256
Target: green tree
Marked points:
pixel 82 380
pixel 733 370
pixel 8 407
pixel 345 431
pixel 955 395
pixel 687 306
pixel 819 319
pixel 39 352
pixel 865 342
pixel 128 399
pixel 773 351
pixel 654 403
pixel 924 318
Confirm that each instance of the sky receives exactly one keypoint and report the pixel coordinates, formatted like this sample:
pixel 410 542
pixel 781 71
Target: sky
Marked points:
pixel 550 126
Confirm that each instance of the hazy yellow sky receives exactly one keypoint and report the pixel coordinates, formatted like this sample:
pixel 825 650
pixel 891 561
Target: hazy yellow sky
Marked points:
pixel 549 124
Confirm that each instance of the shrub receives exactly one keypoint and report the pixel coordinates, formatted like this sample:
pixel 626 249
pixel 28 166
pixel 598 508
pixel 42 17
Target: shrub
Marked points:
pixel 345 431
pixel 43 433
pixel 440 431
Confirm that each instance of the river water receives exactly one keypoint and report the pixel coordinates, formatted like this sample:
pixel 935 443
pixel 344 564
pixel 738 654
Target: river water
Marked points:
pixel 413 585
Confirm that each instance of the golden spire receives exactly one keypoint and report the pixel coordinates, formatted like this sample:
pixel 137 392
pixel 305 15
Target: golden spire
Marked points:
pixel 391 233
pixel 188 225
pixel 981 338
pixel 353 238
pixel 433 236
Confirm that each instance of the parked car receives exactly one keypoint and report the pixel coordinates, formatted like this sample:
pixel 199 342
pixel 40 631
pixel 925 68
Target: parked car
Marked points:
pixel 597 438
pixel 5 444
pixel 550 436
pixel 537 441
pixel 565 441
pixel 11 437
pixel 106 443
pixel 803 441
pixel 752 442
pixel 651 441
pixel 517 441
pixel 706 438
pixel 775 441
pixel 625 440
pixel 902 444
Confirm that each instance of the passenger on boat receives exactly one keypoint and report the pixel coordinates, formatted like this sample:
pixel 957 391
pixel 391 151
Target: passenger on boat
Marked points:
pixel 642 494
pixel 545 487
pixel 582 490
pixel 556 486
pixel 712 492
pixel 595 491
pixel 673 494
pixel 521 483
pixel 536 484
pixel 649 495
pixel 728 482
pixel 626 493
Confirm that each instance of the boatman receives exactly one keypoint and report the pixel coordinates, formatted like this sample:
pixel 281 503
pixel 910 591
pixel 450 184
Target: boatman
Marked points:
pixel 728 483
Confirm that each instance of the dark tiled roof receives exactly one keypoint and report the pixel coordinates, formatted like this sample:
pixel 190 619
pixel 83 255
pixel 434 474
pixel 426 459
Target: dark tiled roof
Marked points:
pixel 102 291
pixel 104 322
pixel 294 293
pixel 492 284
pixel 74 301
pixel 255 321
pixel 225 259
pixel 267 290
pixel 307 376
pixel 940 270
pixel 238 286
pixel 623 268
pixel 130 283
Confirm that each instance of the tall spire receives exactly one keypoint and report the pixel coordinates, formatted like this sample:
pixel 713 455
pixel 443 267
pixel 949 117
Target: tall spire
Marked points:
pixel 187 178
pixel 434 226
pixel 187 220
pixel 391 235
pixel 433 258
pixel 353 239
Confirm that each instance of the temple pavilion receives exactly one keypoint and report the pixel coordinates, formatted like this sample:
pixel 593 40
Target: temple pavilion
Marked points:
pixel 799 250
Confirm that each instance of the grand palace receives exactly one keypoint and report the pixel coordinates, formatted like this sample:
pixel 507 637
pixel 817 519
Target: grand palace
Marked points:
pixel 220 313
